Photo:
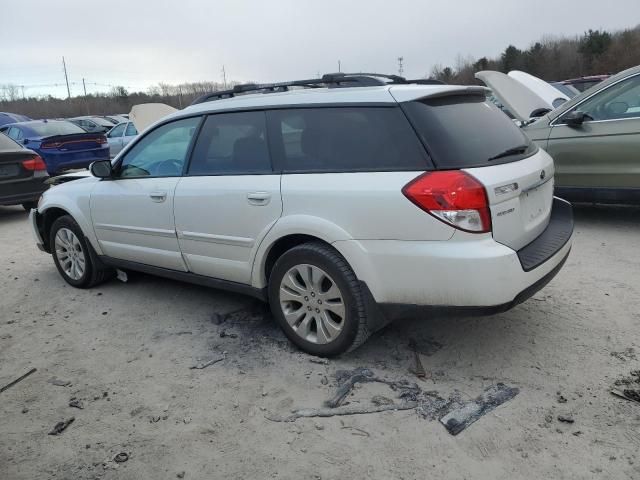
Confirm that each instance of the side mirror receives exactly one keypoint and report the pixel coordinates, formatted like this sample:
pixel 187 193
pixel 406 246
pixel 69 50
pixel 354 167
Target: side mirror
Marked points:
pixel 101 169
pixel 575 118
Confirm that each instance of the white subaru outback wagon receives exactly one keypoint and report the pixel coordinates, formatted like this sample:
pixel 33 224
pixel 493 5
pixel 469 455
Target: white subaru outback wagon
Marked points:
pixel 345 202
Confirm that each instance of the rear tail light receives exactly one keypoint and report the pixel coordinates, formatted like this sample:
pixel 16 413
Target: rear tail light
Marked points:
pixel 34 164
pixel 101 140
pixel 51 145
pixel 453 197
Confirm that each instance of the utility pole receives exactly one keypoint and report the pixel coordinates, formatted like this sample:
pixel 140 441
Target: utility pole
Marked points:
pixel 224 77
pixel 66 78
pixel 339 67
pixel 400 67
pixel 22 86
pixel 84 87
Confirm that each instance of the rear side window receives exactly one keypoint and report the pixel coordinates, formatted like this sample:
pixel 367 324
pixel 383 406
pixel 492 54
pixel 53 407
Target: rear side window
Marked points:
pixel 131 130
pixel 232 144
pixel 345 139
pixel 462 131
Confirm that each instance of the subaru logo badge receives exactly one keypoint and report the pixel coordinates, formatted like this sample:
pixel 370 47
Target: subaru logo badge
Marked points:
pixel 542 175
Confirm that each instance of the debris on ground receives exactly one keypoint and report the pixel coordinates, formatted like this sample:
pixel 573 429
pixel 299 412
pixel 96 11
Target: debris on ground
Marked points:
pixel 76 403
pixel 17 380
pixel 461 417
pixel 58 382
pixel 207 363
pixel 560 398
pixel 122 276
pixel 419 368
pixel 425 346
pixel 566 418
pixel 626 354
pixel 180 474
pixel 121 457
pixel 628 387
pixel 225 334
pixel 319 360
pixel 345 410
pixel 381 400
pixel 61 426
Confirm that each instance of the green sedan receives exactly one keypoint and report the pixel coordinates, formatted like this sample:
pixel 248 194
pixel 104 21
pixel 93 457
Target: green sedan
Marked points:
pixel 594 138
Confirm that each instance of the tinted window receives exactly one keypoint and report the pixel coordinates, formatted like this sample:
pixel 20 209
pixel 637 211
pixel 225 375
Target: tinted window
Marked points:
pixel 232 143
pixel 131 130
pixel 621 100
pixel 48 129
pixel 345 139
pixel 466 131
pixel 117 131
pixel 15 133
pixel 162 152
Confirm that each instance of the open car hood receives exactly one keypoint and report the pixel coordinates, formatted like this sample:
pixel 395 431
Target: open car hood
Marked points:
pixel 146 114
pixel 521 101
pixel 547 92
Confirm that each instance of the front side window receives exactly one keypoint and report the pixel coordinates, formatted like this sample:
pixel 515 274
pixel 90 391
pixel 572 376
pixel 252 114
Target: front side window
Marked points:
pixel 345 139
pixel 116 131
pixel 162 152
pixel 232 143
pixel 619 101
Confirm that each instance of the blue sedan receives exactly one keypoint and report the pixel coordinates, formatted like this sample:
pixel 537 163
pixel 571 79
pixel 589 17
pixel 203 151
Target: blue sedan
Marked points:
pixel 61 144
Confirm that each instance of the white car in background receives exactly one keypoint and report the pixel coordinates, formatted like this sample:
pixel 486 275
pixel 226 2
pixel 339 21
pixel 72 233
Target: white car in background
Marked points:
pixel 344 202
pixel 120 136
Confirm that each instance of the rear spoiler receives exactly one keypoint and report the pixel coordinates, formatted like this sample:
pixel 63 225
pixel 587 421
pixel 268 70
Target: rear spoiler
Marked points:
pixel 471 91
pixel 413 93
pixel 73 136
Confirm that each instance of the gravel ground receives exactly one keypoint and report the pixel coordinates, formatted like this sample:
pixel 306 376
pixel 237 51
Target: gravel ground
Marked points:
pixel 125 351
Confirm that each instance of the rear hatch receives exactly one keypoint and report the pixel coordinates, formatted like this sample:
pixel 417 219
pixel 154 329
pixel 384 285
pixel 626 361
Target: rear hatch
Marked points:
pixel 73 142
pixel 464 132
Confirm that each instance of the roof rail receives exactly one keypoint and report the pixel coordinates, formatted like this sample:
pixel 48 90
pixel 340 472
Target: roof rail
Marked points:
pixel 329 80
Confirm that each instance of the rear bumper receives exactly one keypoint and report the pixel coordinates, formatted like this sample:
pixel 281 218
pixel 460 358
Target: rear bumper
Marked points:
pixel 22 190
pixel 469 274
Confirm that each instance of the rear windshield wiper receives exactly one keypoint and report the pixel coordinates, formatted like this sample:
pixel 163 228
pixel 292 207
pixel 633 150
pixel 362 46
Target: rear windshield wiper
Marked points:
pixel 511 151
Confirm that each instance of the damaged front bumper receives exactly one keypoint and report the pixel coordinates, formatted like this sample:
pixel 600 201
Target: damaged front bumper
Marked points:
pixel 35 231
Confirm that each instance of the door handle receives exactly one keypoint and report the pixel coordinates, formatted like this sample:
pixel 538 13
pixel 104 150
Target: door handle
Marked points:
pixel 259 198
pixel 158 196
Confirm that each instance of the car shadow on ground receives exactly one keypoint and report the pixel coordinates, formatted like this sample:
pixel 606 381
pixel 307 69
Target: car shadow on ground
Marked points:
pixel 12 213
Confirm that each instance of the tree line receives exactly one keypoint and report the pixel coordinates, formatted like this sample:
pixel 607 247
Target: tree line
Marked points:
pixel 596 52
pixel 552 58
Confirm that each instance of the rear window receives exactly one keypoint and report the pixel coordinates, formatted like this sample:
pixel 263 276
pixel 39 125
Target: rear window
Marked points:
pixel 49 129
pixel 345 139
pixel 462 131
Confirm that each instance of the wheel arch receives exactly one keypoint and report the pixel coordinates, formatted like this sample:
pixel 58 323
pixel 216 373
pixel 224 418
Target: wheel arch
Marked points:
pixel 52 212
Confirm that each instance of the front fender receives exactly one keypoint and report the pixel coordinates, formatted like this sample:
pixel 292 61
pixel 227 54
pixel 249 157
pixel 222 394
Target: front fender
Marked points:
pixel 73 198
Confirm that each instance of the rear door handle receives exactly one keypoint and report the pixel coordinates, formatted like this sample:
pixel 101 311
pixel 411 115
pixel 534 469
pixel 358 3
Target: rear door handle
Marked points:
pixel 158 196
pixel 259 198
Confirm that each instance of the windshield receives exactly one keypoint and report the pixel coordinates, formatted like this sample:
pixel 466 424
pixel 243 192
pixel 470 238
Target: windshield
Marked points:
pixel 462 131
pixel 49 129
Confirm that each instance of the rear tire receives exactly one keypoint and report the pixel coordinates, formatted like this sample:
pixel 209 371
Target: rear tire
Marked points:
pixel 74 259
pixel 316 298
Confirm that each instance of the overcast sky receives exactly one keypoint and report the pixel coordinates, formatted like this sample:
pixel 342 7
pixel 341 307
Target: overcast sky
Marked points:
pixel 137 43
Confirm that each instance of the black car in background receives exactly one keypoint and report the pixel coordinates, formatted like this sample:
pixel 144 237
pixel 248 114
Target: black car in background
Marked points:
pixel 22 174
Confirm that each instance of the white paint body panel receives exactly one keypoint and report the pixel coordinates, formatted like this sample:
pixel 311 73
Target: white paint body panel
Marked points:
pixel 220 222
pixel 132 223
pixel 518 217
pixel 547 92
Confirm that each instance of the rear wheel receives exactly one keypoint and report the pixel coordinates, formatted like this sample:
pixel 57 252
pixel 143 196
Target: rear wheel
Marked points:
pixel 316 299
pixel 72 256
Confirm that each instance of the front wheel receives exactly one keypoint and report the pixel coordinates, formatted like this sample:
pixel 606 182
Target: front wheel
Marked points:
pixel 316 298
pixel 72 256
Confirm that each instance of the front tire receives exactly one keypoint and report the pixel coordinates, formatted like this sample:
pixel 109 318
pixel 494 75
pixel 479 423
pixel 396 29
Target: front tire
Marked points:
pixel 316 298
pixel 72 256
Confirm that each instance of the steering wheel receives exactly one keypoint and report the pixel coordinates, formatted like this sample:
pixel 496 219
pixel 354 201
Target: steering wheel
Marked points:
pixel 167 168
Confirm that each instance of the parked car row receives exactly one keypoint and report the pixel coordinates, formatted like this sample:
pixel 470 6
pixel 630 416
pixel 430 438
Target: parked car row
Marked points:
pixel 72 143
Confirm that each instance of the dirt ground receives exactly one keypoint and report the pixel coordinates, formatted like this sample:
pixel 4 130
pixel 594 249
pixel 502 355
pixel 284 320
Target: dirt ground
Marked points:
pixel 125 351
